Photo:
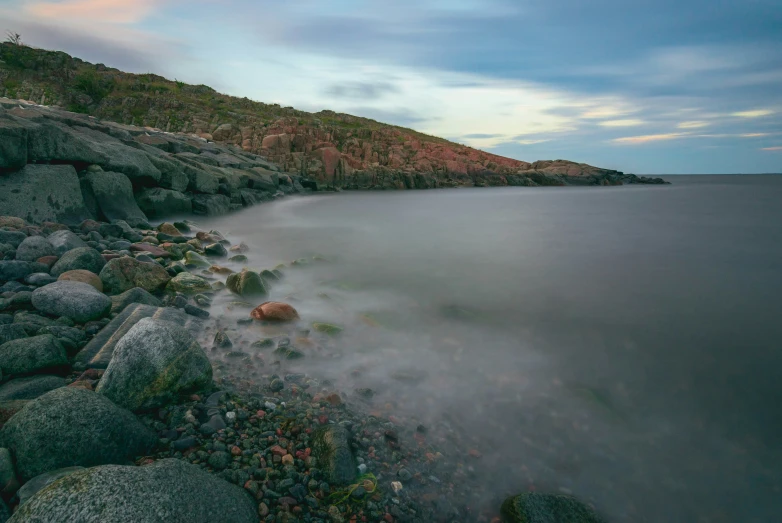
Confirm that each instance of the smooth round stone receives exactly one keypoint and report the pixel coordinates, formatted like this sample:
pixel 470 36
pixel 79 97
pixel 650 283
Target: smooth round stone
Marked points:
pixel 76 300
pixel 39 279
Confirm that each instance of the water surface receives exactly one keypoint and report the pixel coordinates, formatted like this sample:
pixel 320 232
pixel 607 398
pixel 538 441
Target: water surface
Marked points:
pixel 622 344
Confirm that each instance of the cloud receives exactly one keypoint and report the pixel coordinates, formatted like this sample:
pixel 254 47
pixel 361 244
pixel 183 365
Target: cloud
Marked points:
pixel 692 125
pixel 482 136
pixel 531 142
pixel 103 11
pixel 753 135
pixel 753 114
pixel 361 90
pixel 647 138
pixel 776 148
pixel 621 123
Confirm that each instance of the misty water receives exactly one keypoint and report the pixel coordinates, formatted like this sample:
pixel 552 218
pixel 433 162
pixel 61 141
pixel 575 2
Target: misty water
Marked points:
pixel 621 344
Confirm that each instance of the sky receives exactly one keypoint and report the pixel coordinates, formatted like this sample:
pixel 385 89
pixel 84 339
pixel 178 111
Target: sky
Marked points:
pixel 642 86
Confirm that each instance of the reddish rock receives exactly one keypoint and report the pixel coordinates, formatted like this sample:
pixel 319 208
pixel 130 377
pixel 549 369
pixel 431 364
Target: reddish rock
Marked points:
pixel 153 250
pixel 287 459
pixel 90 374
pixel 89 226
pixel 278 451
pixel 241 248
pixel 83 276
pixel 50 227
pixel 48 260
pixel 84 384
pixel 109 257
pixel 168 228
pixel 334 399
pixel 12 221
pixel 330 157
pixel 275 311
pixel 236 451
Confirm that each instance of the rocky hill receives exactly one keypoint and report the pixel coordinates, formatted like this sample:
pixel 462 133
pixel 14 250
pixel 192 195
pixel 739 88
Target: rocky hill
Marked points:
pixel 327 148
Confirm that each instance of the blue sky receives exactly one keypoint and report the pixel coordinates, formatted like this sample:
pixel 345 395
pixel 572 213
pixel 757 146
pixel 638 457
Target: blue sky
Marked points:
pixel 663 86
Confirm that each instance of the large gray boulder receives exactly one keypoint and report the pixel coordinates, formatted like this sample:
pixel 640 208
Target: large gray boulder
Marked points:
pixel 13 143
pixel 79 301
pixel 10 332
pixel 167 490
pixel 40 193
pixel 36 354
pixel 34 247
pixel 153 364
pixel 41 481
pixel 13 238
pixel 83 258
pixel 123 274
pixel 64 241
pixel 29 388
pixel 113 194
pixel 11 270
pixel 157 202
pixel 211 204
pixel 73 426
pixel 247 284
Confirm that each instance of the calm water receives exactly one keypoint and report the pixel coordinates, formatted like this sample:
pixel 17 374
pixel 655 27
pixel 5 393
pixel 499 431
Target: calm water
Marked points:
pixel 623 344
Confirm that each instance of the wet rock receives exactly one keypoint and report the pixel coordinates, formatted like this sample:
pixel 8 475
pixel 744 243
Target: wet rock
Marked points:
pixel 36 354
pixel 331 447
pixel 64 241
pixel 211 204
pixel 153 364
pixel 327 328
pixel 275 311
pixel 90 431
pixel 122 274
pixel 11 270
pixel 84 258
pixel 246 284
pixel 196 311
pixel 79 275
pixel 33 248
pixel 193 258
pixel 216 249
pixel 167 490
pixel 187 283
pixel 533 507
pixel 239 258
pixel 222 340
pixel 39 279
pixel 43 480
pixel 134 295
pixel 29 388
pixel 76 300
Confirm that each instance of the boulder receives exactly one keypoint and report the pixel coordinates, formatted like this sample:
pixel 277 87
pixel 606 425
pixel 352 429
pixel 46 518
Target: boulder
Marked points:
pixel 331 447
pixel 247 284
pixel 36 354
pixel 193 258
pixel 169 228
pixel 79 301
pixel 13 143
pixel 34 247
pixel 187 283
pixel 157 202
pixel 275 311
pixel 82 258
pixel 29 388
pixel 10 332
pixel 113 193
pixel 98 352
pixel 134 295
pixel 154 363
pixel 8 482
pixel 90 278
pixel 216 249
pixel 122 274
pixel 211 204
pixel 11 270
pixel 90 430
pixel 43 480
pixel 534 507
pixel 167 490
pixel 41 193
pixel 64 241
pixel 12 238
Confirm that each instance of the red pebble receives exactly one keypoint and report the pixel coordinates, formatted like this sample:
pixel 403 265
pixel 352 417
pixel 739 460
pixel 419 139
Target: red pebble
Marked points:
pixel 323 419
pixel 236 451
pixel 388 517
pixel 261 414
pixel 278 451
pixel 475 453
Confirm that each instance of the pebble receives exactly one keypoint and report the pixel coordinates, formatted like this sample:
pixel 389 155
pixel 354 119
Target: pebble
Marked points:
pixel 362 469
pixel 404 475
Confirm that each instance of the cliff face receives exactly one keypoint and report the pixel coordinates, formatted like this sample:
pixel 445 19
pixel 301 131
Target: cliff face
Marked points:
pixel 327 148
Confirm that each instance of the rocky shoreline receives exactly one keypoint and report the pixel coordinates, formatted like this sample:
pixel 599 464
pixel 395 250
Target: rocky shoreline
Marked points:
pixel 110 411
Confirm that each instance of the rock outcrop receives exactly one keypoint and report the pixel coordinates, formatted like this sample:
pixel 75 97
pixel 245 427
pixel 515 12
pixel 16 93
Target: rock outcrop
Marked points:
pixel 195 149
